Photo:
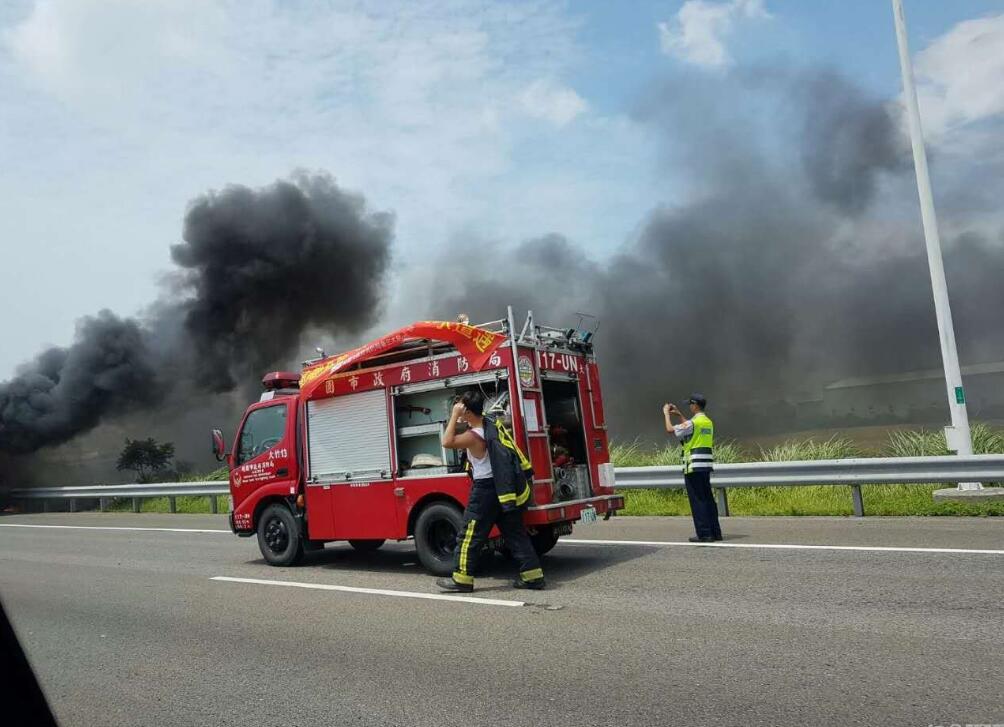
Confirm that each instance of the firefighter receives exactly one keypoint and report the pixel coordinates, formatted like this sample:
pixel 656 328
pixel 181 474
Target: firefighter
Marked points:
pixel 500 491
pixel 697 435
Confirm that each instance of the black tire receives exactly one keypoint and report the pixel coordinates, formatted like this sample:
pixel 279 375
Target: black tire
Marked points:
pixel 366 546
pixel 544 539
pixel 436 532
pixel 279 536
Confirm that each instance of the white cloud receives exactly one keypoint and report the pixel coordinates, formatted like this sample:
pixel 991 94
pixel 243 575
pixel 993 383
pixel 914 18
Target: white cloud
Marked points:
pixel 960 77
pixel 548 100
pixel 698 33
pixel 117 113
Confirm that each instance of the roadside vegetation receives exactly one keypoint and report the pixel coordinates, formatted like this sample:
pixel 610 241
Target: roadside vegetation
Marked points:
pixel 184 504
pixel 823 500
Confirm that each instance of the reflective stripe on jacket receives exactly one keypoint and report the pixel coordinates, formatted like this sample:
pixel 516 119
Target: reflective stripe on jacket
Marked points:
pixel 511 469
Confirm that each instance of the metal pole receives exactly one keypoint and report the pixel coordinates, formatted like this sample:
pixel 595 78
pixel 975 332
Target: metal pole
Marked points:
pixel 723 502
pixel 859 503
pixel 958 436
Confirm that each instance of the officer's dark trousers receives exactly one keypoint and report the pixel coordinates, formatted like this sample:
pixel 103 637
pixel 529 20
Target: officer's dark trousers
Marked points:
pixel 483 511
pixel 702 504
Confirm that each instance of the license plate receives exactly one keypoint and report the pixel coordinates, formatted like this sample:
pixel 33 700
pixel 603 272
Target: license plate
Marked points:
pixel 588 515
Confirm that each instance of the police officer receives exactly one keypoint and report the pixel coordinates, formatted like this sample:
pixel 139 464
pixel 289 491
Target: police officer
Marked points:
pixel 697 435
pixel 500 492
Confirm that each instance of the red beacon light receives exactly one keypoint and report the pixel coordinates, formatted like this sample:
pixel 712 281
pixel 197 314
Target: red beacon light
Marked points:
pixel 279 382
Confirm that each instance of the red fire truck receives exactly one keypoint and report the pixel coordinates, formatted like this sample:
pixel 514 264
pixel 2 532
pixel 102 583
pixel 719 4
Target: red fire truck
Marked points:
pixel 350 449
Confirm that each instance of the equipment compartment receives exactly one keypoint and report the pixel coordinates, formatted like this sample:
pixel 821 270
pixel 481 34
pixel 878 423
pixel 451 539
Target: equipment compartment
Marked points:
pixel 420 418
pixel 569 456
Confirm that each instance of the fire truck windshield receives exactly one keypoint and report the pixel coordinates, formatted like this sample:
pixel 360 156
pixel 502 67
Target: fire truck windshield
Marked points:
pixel 263 429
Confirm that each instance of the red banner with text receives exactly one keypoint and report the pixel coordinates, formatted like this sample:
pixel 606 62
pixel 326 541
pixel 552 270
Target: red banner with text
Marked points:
pixel 472 342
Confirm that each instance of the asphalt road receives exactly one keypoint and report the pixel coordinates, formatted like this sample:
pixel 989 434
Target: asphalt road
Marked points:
pixel 126 627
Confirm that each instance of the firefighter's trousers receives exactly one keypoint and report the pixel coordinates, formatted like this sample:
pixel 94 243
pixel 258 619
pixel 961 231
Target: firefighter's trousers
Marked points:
pixel 483 511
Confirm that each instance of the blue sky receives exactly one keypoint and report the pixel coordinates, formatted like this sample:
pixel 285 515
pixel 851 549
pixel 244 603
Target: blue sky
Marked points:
pixel 853 35
pixel 471 120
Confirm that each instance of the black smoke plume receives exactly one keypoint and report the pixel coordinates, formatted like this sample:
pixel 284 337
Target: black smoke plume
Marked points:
pixel 108 370
pixel 780 274
pixel 266 264
pixel 257 268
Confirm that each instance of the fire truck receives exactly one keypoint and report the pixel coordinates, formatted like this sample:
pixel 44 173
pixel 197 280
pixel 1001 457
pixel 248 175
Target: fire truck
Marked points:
pixel 350 449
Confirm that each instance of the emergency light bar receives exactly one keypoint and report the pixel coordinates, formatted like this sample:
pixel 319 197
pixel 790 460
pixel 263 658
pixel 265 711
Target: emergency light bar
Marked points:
pixel 275 380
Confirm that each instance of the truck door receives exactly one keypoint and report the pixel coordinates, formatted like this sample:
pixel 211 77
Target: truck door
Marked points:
pixel 350 467
pixel 534 424
pixel 264 453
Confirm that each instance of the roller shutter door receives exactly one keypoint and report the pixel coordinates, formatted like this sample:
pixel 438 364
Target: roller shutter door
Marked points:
pixel 348 437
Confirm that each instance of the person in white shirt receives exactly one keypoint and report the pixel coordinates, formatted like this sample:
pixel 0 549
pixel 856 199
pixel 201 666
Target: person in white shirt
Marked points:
pixel 485 506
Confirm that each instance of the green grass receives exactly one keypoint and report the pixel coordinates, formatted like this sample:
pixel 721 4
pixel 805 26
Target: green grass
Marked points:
pixel 927 443
pixel 795 450
pixel 822 500
pixel 635 455
pixel 185 504
pixel 218 475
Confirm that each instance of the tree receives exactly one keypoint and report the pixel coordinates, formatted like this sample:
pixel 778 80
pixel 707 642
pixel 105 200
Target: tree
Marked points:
pixel 145 457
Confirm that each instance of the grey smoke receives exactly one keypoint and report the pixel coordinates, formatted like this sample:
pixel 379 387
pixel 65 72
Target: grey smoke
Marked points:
pixel 849 141
pixel 257 268
pixel 536 275
pixel 780 274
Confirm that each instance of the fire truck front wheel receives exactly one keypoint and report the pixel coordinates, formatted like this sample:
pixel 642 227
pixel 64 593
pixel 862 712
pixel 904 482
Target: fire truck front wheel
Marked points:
pixel 436 536
pixel 279 537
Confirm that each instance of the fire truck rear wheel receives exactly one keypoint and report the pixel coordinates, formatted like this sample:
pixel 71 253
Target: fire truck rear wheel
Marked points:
pixel 366 546
pixel 436 536
pixel 279 537
pixel 544 539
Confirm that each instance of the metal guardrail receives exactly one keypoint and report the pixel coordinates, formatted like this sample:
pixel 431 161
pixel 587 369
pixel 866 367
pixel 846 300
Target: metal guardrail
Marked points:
pixel 103 493
pixel 846 472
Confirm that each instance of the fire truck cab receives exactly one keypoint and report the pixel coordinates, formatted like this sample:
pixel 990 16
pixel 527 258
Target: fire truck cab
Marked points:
pixel 351 448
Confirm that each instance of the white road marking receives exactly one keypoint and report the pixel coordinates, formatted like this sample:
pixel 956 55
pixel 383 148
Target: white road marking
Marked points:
pixel 784 546
pixel 372 591
pixel 109 527
pixel 580 541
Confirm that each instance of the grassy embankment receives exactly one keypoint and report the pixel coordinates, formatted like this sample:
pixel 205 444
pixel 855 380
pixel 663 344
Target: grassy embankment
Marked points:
pixel 823 500
pixel 188 505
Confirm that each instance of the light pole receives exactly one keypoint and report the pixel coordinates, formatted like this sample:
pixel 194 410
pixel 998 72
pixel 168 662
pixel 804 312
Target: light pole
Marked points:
pixel 957 435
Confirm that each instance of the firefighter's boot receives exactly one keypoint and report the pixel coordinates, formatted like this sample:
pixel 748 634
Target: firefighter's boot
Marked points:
pixel 448 584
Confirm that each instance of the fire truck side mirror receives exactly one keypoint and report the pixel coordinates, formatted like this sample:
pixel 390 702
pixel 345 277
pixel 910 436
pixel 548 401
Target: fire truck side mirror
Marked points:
pixel 219 445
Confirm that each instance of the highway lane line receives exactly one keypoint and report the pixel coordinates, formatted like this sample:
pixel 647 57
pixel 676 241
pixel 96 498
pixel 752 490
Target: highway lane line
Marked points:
pixel 582 541
pixel 784 546
pixel 372 591
pixel 110 527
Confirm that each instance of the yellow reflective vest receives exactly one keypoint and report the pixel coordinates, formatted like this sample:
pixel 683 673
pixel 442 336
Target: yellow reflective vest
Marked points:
pixel 698 448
